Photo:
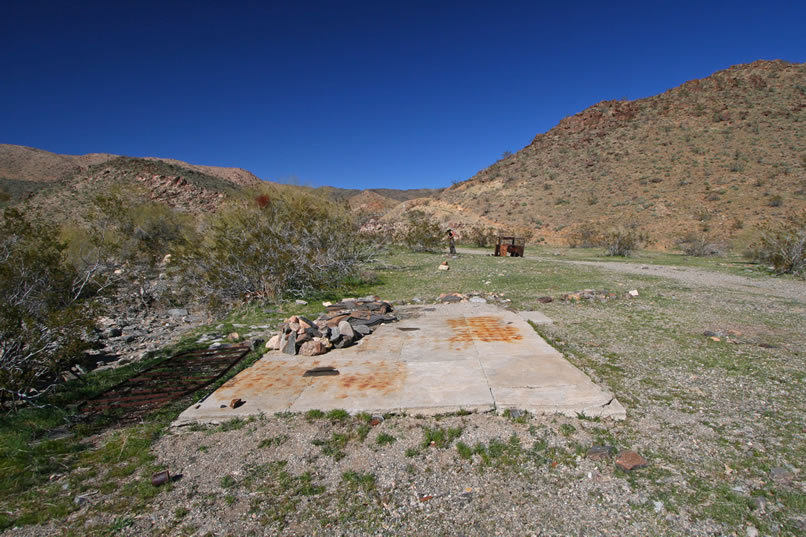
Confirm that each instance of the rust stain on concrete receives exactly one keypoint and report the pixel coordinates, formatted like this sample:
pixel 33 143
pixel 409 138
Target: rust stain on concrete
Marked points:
pixel 383 378
pixel 486 328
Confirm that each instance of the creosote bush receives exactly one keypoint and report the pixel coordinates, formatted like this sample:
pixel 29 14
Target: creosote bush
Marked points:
pixel 698 245
pixel 136 231
pixel 46 312
pixel 421 234
pixel 587 235
pixel 783 245
pixel 622 241
pixel 481 236
pixel 278 244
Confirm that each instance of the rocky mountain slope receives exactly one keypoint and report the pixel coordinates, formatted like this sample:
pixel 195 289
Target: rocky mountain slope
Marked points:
pixel 49 181
pixel 31 164
pixel 182 188
pixel 391 194
pixel 59 184
pixel 720 155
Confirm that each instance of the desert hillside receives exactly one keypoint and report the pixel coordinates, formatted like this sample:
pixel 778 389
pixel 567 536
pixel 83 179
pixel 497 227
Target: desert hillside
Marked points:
pixel 31 164
pixel 59 185
pixel 720 155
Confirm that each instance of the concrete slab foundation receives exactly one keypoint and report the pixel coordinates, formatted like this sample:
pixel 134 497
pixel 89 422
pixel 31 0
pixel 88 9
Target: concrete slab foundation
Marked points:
pixel 436 359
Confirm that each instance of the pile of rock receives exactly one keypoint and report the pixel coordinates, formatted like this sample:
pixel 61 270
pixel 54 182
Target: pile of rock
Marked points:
pixel 590 295
pixel 343 324
pixel 453 298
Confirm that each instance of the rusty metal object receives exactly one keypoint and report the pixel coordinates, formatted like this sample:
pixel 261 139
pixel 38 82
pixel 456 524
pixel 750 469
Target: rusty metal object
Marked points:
pixel 512 246
pixel 160 478
pixel 166 381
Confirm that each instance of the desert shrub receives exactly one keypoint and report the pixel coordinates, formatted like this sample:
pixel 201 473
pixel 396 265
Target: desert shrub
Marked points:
pixel 137 231
pixel 587 235
pixel 46 311
pixel 527 233
pixel 294 244
pixel 421 234
pixel 622 241
pixel 698 245
pixel 776 201
pixel 783 245
pixel 481 236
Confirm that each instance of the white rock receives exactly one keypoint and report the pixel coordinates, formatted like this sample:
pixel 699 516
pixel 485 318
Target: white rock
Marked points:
pixel 633 293
pixel 274 343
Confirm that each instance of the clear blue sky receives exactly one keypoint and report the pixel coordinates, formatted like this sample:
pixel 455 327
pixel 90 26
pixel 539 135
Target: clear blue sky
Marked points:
pixel 353 94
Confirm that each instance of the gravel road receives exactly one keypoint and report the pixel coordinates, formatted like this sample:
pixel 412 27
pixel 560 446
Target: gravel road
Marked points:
pixel 789 289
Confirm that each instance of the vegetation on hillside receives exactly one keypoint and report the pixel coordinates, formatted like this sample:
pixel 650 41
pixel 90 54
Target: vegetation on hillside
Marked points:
pixel 783 245
pixel 421 233
pixel 47 308
pixel 283 243
pixel 726 151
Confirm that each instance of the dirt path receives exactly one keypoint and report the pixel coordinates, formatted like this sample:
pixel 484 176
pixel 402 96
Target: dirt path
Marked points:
pixel 792 290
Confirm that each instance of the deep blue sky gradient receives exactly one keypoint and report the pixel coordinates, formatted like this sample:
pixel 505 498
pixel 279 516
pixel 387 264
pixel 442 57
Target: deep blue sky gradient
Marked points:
pixel 353 94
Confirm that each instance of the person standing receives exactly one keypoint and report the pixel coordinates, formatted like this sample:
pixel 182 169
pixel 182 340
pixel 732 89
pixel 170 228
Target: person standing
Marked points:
pixel 452 241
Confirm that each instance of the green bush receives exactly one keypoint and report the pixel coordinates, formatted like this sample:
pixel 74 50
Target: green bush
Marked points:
pixel 46 311
pixel 135 231
pixel 622 241
pixel 481 236
pixel 283 243
pixel 586 235
pixel 698 245
pixel 783 245
pixel 421 234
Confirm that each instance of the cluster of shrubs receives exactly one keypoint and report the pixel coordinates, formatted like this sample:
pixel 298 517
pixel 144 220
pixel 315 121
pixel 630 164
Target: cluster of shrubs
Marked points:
pixel 616 241
pixel 699 245
pixel 783 245
pixel 289 243
pixel 421 233
pixel 47 308
pixel 55 280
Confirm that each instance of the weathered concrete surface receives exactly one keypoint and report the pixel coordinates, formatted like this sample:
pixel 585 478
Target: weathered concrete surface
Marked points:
pixel 537 317
pixel 436 359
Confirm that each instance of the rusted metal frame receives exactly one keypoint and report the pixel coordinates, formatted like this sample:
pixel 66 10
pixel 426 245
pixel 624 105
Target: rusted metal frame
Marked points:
pixel 137 382
pixel 143 397
pixel 145 390
pixel 145 406
pixel 194 360
pixel 185 378
pixel 235 354
pixel 192 367
pixel 214 352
